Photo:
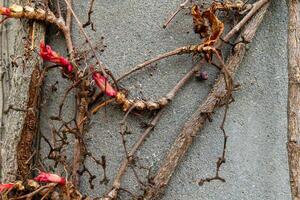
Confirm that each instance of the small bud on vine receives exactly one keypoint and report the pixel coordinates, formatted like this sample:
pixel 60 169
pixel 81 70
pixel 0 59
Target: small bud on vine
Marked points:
pixel 202 76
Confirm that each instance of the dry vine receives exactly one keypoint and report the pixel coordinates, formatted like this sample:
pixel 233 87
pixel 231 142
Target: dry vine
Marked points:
pixel 198 119
pixel 180 147
pixel 89 100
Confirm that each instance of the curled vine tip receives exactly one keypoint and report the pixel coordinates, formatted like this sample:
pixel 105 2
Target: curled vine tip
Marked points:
pixel 50 178
pixel 103 84
pixel 6 186
pixel 48 54
pixel 5 11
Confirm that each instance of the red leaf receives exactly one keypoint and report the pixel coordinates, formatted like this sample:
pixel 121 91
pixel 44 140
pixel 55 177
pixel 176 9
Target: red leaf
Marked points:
pixel 6 186
pixel 5 11
pixel 50 178
pixel 103 83
pixel 48 54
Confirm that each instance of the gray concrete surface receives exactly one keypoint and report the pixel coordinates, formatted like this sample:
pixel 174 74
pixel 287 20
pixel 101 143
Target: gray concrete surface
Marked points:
pixel 256 166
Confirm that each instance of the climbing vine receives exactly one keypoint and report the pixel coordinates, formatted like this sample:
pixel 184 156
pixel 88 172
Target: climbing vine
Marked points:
pixel 96 87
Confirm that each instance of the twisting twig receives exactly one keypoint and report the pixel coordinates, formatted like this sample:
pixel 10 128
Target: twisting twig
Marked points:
pixel 180 7
pixel 228 81
pixel 211 40
pixel 148 62
pixel 67 32
pixel 255 7
pixel 198 119
pixel 294 97
pixel 31 195
pixel 112 194
pixel 101 65
pixel 79 148
pixel 82 100
pixel 69 14
pixel 58 9
pixel 89 22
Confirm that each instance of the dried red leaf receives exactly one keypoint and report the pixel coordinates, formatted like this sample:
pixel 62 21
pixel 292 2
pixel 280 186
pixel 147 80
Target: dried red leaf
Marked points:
pixel 6 186
pixel 48 54
pixel 50 178
pixel 5 11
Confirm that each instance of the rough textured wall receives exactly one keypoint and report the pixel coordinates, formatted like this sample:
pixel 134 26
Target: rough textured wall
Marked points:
pixel 256 165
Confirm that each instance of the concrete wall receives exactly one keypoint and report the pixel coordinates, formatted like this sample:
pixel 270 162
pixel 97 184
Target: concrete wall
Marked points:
pixel 256 165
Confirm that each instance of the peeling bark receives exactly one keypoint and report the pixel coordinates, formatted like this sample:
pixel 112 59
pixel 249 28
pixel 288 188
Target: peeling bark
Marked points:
pixel 21 95
pixel 294 97
pixel 30 126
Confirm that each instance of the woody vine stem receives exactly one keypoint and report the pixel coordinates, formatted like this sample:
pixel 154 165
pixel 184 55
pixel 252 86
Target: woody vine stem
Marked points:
pixel 95 87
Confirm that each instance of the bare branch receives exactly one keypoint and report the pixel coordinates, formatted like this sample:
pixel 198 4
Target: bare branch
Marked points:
pixel 198 119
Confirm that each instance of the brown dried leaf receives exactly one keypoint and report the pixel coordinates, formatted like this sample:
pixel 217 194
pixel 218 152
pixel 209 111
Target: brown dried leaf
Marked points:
pixel 207 24
pixel 201 25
